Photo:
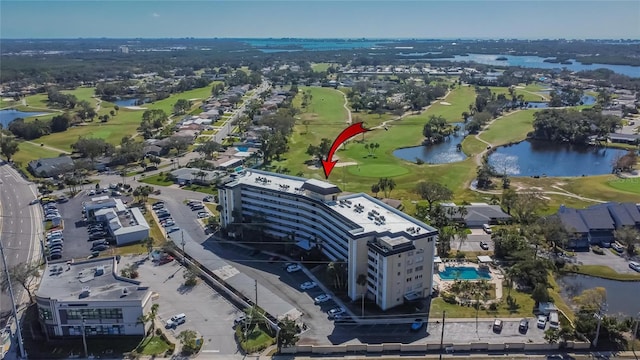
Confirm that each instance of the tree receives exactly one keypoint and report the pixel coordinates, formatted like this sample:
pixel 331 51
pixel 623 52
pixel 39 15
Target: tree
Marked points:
pixel 321 150
pixel 540 293
pixel 190 276
pixel 189 341
pixel 375 189
pixel 8 147
pixel 60 123
pixel 591 299
pixel 208 148
pixel 527 206
pixel 181 106
pixel 433 191
pixel 288 335
pixel 508 199
pixel 552 229
pixel 20 274
pixel 91 148
pixel 628 236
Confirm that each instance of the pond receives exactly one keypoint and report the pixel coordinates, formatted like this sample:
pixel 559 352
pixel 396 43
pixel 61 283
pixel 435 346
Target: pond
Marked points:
pixel 622 296
pixel 442 153
pixel 546 158
pixel 538 62
pixel 130 102
pixel 7 116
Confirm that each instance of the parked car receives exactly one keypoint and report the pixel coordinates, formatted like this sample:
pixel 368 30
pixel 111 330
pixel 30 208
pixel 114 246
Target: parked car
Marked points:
pixel 173 229
pixel 165 260
pixel 417 324
pixel 307 285
pixel 203 214
pixel 497 325
pixel 92 192
pixel 634 265
pixel 197 207
pixel 542 321
pixel 322 298
pixel 293 268
pixel 240 320
pixel 56 256
pixel 484 245
pixel 176 320
pixel 523 327
pixel 168 223
pixel 617 247
pixel 335 311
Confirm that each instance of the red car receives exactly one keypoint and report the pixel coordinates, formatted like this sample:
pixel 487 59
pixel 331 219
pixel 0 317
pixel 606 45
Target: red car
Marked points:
pixel 164 260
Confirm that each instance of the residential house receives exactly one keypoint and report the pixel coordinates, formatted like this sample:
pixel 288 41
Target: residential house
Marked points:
pixel 596 225
pixel 186 176
pixel 50 167
pixel 477 214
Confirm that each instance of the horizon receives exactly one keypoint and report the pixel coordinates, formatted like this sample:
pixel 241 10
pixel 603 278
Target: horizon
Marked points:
pixel 330 38
pixel 313 19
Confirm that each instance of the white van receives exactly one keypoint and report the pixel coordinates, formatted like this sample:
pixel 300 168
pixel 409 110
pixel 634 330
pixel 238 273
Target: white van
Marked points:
pixel 176 320
pixel 486 228
pixel 554 321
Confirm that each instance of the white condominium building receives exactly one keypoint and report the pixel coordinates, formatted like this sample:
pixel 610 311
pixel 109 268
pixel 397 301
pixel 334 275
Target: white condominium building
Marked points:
pixel 393 250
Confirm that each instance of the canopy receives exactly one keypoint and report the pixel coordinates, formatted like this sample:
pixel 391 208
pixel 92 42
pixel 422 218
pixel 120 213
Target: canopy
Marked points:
pixel 437 260
pixel 485 259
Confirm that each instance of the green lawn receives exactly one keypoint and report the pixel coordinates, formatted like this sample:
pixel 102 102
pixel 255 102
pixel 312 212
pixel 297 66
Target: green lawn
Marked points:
pixel 472 146
pixel 83 93
pixel 631 185
pixel 604 272
pixel 4 104
pixel 159 179
pixel 510 128
pixel 256 340
pixel 529 95
pixel 154 345
pixel 459 100
pixel 523 308
pixel 203 189
pixel 320 67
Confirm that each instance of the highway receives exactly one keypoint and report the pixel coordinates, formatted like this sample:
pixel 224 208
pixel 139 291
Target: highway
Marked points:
pixel 20 228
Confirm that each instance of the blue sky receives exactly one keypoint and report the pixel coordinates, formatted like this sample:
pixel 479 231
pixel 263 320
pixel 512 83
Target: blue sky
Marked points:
pixel 571 19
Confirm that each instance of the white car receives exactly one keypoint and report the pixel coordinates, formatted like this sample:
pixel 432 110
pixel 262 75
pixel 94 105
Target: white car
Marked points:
pixel 92 192
pixel 308 285
pixel 322 298
pixel 293 268
pixel 634 265
pixel 542 321
pixel 335 311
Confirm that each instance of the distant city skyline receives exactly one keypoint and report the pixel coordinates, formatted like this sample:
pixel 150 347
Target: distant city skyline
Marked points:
pixel 470 19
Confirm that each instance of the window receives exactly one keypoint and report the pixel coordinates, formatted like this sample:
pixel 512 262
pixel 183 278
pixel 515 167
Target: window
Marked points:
pixel 409 271
pixel 399 264
pixel 94 314
pixel 419 268
pixel 398 273
pixel 418 277
pixel 409 279
pixel 44 313
pixel 419 259
pixel 409 262
pixel 410 253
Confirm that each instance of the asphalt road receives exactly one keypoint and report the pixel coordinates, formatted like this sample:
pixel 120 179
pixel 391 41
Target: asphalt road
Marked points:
pixel 20 227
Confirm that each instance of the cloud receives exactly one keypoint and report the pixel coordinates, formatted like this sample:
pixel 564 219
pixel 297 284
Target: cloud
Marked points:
pixel 155 15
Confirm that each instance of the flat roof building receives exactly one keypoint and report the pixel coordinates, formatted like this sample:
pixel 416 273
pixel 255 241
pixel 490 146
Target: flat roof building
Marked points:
pixel 126 225
pixel 91 291
pixel 394 250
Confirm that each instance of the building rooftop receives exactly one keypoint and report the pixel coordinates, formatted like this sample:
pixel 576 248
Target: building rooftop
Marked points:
pixel 129 222
pixel 95 280
pixel 368 213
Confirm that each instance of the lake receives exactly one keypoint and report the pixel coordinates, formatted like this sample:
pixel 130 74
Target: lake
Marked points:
pixel 538 62
pixel 7 116
pixel 443 153
pixel 535 158
pixel 622 296
pixel 128 102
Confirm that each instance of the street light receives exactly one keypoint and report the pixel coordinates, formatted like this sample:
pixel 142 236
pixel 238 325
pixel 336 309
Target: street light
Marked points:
pixel 184 255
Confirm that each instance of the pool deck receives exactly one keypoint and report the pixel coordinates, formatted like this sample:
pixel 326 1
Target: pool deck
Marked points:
pixel 445 285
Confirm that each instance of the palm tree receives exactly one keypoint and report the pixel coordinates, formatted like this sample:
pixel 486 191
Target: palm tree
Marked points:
pixel 362 281
pixel 391 184
pixel 150 317
pixel 461 233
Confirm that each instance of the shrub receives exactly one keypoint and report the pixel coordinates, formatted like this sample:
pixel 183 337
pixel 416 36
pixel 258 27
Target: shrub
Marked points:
pixel 449 298
pixel 158 332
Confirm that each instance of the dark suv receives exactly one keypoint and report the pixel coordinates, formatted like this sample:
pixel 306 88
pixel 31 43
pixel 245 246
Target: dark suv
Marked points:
pixel 524 326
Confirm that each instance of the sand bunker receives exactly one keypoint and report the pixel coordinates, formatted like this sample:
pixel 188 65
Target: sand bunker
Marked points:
pixel 444 103
pixel 519 87
pixel 135 108
pixel 7 99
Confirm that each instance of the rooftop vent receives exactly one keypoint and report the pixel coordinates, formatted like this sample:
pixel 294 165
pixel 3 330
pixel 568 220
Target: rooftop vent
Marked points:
pixel 125 292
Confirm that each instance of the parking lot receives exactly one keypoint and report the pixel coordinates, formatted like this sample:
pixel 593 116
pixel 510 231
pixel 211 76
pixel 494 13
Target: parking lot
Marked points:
pixel 618 263
pixel 207 312
pixel 76 235
pixel 472 243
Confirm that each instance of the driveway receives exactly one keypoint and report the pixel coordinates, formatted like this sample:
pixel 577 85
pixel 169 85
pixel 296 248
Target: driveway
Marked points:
pixel 617 263
pixel 472 243
pixel 208 313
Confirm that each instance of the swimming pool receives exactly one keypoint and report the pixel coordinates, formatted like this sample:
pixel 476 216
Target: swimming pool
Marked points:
pixel 242 148
pixel 464 273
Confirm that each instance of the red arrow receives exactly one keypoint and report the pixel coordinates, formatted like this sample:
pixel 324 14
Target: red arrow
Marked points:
pixel 347 133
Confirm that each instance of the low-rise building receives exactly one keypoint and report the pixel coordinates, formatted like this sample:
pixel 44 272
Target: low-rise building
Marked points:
pixel 50 167
pixel 126 225
pixel 90 296
pixel 475 215
pixel 392 250
pixel 186 176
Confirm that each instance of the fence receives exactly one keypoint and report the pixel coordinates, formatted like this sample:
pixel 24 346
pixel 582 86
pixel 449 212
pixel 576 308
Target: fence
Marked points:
pixel 417 348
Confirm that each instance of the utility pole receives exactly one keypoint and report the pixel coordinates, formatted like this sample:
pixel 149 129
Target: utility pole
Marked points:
pixel 23 354
pixel 184 255
pixel 256 290
pixel 442 334
pixel 599 316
